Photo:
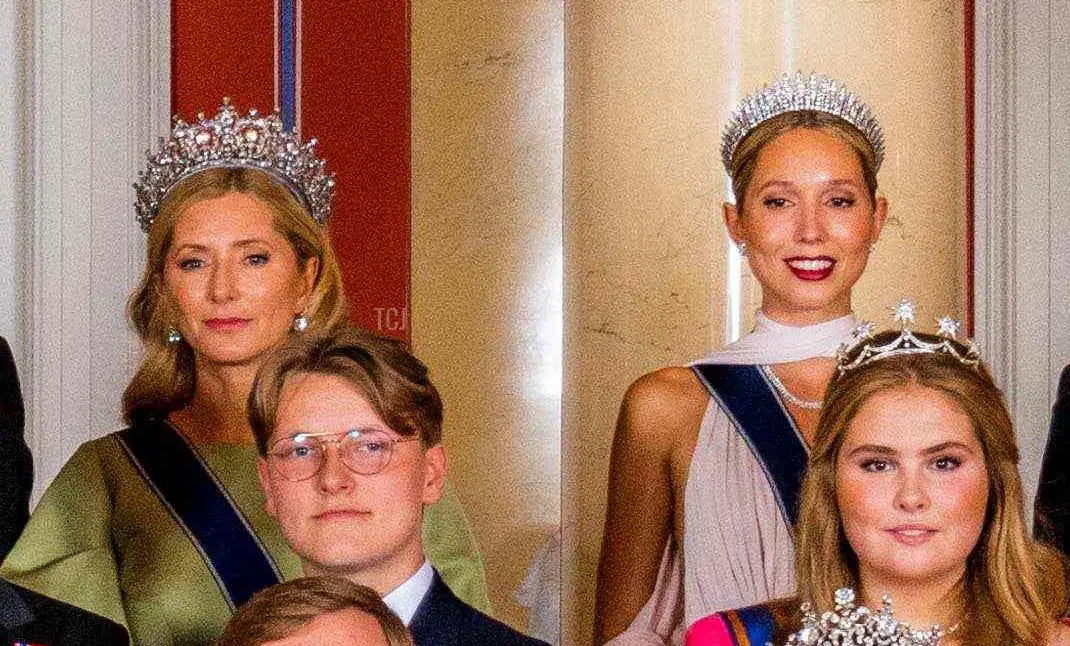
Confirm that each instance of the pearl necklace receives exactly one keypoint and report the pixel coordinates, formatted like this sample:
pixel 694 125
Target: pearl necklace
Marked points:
pixel 808 404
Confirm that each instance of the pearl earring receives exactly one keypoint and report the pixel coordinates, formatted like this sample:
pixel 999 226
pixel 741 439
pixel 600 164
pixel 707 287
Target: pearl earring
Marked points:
pixel 300 323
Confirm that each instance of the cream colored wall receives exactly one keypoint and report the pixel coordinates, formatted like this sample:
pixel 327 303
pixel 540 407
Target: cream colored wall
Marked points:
pixel 649 85
pixel 643 261
pixel 486 263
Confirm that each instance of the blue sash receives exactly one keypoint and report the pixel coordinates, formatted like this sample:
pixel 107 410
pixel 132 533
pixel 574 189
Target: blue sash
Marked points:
pixel 200 505
pixel 748 398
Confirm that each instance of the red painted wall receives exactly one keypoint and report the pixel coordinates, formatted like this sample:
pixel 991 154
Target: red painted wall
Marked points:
pixel 221 49
pixel 354 98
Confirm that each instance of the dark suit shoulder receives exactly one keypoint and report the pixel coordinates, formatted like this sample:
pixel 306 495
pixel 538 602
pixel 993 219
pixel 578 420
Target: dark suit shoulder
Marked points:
pixel 16 464
pixel 491 631
pixel 1064 384
pixel 1052 508
pixel 43 620
pixel 10 391
pixel 444 620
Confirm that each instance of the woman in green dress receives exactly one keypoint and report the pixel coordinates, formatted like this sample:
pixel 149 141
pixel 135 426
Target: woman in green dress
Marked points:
pixel 161 527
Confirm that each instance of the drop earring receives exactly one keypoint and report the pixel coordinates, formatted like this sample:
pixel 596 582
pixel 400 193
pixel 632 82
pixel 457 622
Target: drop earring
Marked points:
pixel 300 323
pixel 174 337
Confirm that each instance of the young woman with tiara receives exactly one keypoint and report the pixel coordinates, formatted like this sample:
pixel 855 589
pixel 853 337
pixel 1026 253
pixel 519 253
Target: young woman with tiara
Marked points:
pixel 161 527
pixel 911 530
pixel 707 459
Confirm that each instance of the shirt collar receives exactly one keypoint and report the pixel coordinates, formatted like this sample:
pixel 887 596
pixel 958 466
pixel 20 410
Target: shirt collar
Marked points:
pixel 406 598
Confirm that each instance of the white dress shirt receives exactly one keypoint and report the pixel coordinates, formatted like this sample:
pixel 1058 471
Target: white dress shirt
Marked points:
pixel 406 598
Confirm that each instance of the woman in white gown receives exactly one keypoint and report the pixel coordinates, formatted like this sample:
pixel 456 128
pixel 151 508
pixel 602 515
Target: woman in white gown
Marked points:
pixel 701 511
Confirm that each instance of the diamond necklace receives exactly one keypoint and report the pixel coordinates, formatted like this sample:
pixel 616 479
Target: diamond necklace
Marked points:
pixel 850 624
pixel 808 404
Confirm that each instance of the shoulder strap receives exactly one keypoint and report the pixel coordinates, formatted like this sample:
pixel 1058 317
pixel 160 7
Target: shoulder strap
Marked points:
pixel 200 505
pixel 770 432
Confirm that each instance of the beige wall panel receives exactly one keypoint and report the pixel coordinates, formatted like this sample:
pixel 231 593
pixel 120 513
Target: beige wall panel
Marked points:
pixel 911 69
pixel 643 234
pixel 648 87
pixel 486 258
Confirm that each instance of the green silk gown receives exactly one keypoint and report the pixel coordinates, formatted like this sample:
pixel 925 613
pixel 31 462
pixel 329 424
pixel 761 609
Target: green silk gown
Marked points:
pixel 101 540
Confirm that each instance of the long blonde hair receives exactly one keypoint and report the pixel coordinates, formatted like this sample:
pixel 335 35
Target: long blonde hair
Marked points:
pixel 166 378
pixel 1014 585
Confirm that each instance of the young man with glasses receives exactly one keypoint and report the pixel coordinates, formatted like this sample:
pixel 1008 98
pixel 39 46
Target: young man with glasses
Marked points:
pixel 349 429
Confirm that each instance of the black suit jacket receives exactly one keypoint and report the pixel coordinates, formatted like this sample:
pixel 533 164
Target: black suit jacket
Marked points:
pixel 442 619
pixel 29 618
pixel 1052 508
pixel 16 467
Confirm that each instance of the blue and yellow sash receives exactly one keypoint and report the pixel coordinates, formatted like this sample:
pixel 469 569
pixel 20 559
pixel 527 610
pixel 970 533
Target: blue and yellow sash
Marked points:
pixel 752 626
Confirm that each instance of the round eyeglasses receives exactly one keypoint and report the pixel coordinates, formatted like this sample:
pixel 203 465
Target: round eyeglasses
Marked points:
pixel 363 451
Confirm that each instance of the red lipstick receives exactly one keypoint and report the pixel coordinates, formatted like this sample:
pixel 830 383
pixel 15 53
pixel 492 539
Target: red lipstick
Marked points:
pixel 811 267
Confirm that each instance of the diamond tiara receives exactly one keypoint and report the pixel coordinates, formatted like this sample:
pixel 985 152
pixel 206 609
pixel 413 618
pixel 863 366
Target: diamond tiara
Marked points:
pixel 798 91
pixel 859 350
pixel 850 624
pixel 229 140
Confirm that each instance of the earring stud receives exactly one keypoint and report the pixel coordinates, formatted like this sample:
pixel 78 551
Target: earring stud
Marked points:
pixel 300 323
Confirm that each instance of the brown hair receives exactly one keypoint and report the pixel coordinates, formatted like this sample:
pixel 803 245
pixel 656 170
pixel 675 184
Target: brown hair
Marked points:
pixel 277 612
pixel 1014 585
pixel 394 382
pixel 166 378
pixel 745 157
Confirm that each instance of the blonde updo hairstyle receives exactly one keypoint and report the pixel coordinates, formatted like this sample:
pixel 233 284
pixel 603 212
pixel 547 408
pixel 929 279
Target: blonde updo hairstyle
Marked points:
pixel 1013 588
pixel 166 378
pixel 745 156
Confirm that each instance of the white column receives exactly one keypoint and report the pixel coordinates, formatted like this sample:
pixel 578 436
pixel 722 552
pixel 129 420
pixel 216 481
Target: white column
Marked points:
pixel 13 18
pixel 93 79
pixel 1022 246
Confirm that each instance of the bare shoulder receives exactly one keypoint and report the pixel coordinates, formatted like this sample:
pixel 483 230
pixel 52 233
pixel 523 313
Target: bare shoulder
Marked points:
pixel 1059 635
pixel 659 411
pixel 660 404
pixel 672 382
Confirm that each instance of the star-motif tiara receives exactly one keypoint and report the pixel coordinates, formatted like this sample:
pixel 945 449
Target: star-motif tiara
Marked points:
pixel 227 140
pixel 799 91
pixel 850 624
pixel 860 350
